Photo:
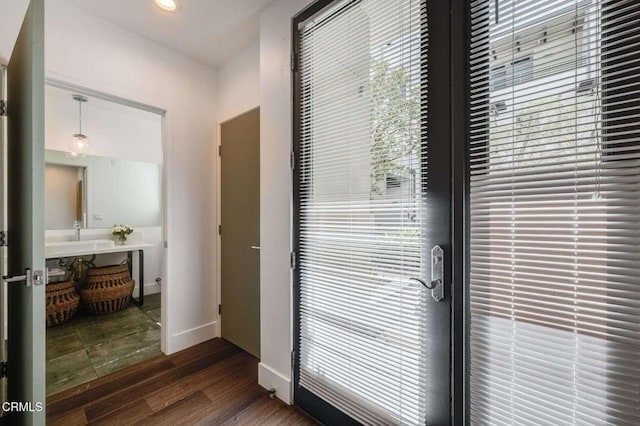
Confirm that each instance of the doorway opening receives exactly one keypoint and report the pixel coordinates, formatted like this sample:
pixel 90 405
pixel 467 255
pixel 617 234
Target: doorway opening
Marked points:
pixel 104 227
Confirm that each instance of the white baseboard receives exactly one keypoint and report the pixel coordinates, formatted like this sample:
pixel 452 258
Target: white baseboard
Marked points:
pixel 149 288
pixel 186 339
pixel 218 328
pixel 271 379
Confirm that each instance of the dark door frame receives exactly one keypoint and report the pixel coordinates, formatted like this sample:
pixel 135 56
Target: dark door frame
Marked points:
pixel 460 217
pixel 451 166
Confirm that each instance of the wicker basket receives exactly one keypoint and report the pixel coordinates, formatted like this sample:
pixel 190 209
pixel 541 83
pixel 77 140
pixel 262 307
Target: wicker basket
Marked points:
pixel 62 302
pixel 108 289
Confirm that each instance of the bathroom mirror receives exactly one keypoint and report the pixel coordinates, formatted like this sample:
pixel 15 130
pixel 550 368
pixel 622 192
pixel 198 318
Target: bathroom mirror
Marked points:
pixel 101 191
pixel 119 179
pixel 65 192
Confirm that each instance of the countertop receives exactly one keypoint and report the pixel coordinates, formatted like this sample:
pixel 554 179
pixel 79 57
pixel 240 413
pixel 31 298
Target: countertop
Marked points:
pixel 115 249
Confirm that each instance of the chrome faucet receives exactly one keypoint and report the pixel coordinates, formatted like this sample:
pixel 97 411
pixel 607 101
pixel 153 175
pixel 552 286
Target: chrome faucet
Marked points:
pixel 76 227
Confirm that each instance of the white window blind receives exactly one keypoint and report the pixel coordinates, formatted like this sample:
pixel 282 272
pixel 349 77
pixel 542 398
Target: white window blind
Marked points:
pixel 362 176
pixel 555 213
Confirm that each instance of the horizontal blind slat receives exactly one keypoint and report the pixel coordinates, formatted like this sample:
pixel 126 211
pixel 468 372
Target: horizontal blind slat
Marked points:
pixel 361 173
pixel 554 153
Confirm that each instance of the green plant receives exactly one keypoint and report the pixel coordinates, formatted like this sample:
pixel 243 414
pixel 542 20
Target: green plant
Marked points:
pixel 561 124
pixel 395 111
pixel 121 231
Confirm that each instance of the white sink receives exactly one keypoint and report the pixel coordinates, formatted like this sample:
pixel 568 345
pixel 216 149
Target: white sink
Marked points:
pixel 77 246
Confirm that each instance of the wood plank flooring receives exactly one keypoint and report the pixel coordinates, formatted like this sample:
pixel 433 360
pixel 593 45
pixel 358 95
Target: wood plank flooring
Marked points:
pixel 214 383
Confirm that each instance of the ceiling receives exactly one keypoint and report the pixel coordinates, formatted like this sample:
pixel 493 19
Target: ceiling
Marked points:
pixel 210 31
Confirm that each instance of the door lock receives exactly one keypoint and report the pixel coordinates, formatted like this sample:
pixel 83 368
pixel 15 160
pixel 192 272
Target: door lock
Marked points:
pixel 36 278
pixel 39 277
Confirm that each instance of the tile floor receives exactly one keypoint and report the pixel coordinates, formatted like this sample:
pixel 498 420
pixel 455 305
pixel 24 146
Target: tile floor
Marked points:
pixel 88 346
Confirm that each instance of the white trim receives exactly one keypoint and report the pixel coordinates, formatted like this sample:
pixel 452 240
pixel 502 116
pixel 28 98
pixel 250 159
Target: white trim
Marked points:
pixel 218 282
pixel 271 379
pixel 186 339
pixel 149 289
pixel 72 87
pixel 167 166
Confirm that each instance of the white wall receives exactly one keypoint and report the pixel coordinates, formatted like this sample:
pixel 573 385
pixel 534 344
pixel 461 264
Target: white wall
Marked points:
pixel 90 52
pixel 276 333
pixel 239 83
pixel 11 15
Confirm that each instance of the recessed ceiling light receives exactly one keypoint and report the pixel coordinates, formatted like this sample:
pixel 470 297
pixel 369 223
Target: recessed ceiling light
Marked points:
pixel 169 5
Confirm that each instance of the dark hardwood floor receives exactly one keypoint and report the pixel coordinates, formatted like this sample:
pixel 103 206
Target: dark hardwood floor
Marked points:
pixel 214 383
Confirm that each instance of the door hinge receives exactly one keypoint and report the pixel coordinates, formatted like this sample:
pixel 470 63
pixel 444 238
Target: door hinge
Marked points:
pixel 293 160
pixel 3 369
pixel 219 150
pixel 294 61
pixel 3 238
pixel 3 108
pixel 220 309
pixel 293 260
pixel 219 229
pixel 293 358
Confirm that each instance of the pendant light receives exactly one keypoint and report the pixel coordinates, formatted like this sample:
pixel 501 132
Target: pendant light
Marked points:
pixel 79 145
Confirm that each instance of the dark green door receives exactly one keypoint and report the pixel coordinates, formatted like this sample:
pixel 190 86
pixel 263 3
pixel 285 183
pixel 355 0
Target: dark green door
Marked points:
pixel 25 226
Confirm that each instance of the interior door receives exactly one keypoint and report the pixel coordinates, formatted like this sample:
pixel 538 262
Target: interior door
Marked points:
pixel 372 185
pixel 240 199
pixel 3 226
pixel 25 214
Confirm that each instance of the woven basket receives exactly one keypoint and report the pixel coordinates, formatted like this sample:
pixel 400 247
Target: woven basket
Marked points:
pixel 108 289
pixel 62 302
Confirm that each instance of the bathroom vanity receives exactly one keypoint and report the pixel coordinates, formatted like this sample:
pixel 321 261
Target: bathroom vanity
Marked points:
pixel 64 249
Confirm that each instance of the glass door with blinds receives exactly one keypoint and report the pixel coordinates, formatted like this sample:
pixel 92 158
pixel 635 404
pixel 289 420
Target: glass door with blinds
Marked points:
pixel 372 212
pixel 554 161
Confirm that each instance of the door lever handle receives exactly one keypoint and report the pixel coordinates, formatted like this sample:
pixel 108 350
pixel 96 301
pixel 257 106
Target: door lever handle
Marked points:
pixel 426 285
pixel 14 279
pixel 29 278
pixel 255 247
